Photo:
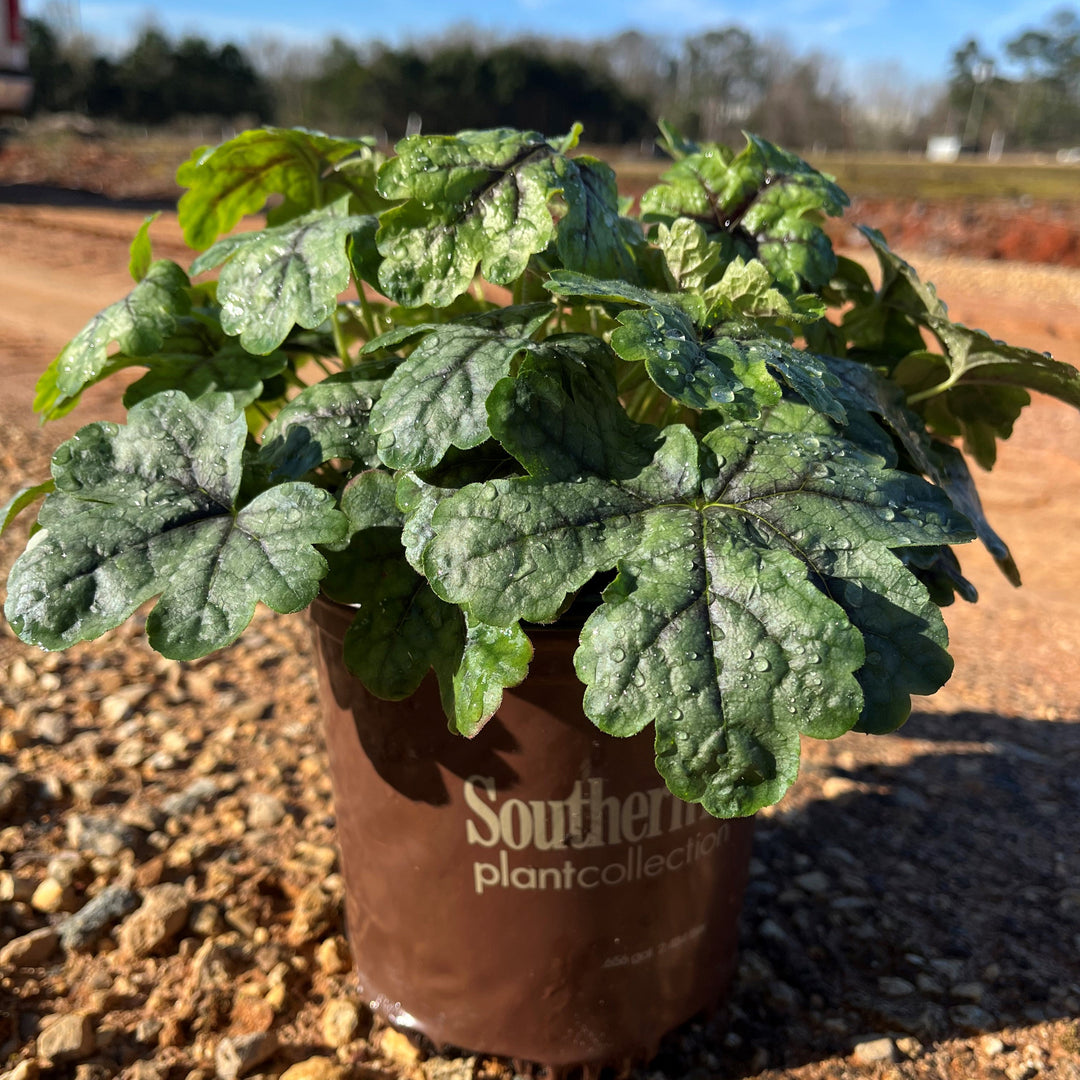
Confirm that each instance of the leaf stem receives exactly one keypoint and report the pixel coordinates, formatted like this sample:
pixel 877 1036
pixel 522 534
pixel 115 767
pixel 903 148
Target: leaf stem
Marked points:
pixel 367 316
pixel 339 339
pixel 923 395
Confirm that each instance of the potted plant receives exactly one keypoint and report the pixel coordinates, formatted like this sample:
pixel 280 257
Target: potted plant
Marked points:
pixel 705 468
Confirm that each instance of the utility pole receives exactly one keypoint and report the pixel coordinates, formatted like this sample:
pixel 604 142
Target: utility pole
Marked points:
pixel 981 76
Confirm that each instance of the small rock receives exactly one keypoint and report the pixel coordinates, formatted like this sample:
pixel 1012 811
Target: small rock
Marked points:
pixel 894 986
pixel 953 970
pixel 50 897
pixel 311 916
pixel 969 991
pixel 52 727
pixel 12 791
pixel 20 673
pixel 992 1046
pixel 161 917
pixel 250 1014
pixel 927 984
pixel 971 1018
pixel 82 930
pixel 316 1068
pixel 340 1022
pixel 199 793
pixel 1021 1070
pixel 13 888
pixel 398 1048
pixel 238 1055
pixel 88 792
pixel 30 949
pixel 909 1046
pixel 265 811
pixel 875 1051
pixel 95 1070
pixel 100 835
pixel 27 1069
pixel 140 814
pixel 205 920
pixel 66 867
pixel 147 1031
pixel 332 956
pixel 51 788
pixel 70 1038
pixel 452 1068
pixel 118 706
pixel 816 883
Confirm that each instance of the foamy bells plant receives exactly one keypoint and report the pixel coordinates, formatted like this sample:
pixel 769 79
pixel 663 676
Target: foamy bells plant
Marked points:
pixel 467 385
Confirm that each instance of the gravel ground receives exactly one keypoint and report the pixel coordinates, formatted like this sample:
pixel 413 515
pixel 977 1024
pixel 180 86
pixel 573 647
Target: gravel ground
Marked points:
pixel 169 898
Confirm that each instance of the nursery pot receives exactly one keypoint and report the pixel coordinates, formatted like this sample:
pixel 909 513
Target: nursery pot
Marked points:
pixel 534 892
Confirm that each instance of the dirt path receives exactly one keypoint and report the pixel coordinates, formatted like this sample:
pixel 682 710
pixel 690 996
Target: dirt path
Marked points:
pixel 923 888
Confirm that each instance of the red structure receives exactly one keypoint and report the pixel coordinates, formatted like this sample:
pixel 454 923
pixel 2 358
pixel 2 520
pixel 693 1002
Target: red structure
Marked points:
pixel 15 85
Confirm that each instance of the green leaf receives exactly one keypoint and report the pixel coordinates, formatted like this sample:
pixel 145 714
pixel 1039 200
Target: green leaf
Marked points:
pixel 747 290
pixel 401 628
pixel 980 415
pixel 705 616
pixel 971 357
pixel 307 168
pixel 905 636
pixel 328 420
pixel 479 198
pixel 139 324
pixel 944 465
pixel 229 369
pixel 674 142
pixel 369 501
pixel 21 500
pixel 437 397
pixel 492 659
pixel 142 254
pixel 417 502
pixel 691 256
pixel 722 600
pixel 590 238
pixel 561 417
pixel 763 202
pixel 726 368
pixel 277 278
pixel 150 509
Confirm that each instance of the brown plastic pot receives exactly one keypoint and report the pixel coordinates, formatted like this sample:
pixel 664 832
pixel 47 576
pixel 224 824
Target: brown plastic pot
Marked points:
pixel 534 892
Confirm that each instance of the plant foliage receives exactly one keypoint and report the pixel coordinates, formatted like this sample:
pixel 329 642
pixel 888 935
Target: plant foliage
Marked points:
pixel 739 443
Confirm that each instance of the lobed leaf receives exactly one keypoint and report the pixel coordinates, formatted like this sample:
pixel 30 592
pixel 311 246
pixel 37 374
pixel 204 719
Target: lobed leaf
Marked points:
pixel 476 199
pixel 590 239
pixel 328 420
pixel 437 397
pixel 763 202
pixel 752 549
pixel 226 369
pixel 492 659
pixel 138 324
pixel 282 277
pixel 150 509
pixel 308 169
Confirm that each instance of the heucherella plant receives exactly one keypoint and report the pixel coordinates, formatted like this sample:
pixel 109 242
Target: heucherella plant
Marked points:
pixel 468 390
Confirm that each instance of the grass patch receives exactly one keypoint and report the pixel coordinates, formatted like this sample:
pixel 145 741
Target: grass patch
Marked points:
pixel 871 175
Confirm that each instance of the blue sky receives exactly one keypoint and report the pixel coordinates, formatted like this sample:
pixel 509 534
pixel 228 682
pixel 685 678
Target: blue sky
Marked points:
pixel 920 35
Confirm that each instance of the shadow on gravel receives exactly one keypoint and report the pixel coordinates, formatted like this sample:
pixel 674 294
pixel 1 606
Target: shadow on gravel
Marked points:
pixel 929 900
pixel 47 195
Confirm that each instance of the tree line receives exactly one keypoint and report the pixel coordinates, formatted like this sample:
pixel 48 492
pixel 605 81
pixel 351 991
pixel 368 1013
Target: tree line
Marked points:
pixel 711 85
